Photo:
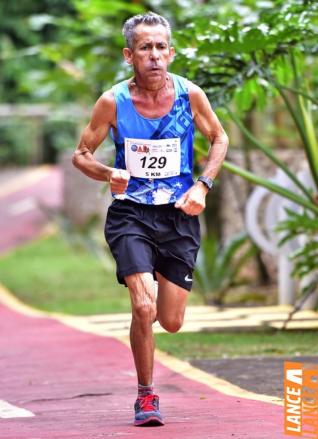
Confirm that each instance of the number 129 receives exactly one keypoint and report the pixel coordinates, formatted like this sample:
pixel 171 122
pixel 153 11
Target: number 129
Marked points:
pixel 154 162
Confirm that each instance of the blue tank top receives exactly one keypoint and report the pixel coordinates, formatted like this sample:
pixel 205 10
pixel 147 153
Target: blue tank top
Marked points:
pixel 178 123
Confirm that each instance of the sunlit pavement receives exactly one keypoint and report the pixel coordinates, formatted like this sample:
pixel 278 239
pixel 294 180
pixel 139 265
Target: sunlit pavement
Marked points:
pixel 206 318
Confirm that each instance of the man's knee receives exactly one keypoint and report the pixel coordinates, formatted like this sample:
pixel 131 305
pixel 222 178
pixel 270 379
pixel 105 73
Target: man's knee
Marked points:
pixel 141 289
pixel 144 312
pixel 171 325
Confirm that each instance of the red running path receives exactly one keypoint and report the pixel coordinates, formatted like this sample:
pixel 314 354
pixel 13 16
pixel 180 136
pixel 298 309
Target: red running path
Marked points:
pixel 22 218
pixel 83 386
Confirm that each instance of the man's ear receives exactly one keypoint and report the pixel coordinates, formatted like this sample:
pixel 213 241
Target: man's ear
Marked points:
pixel 172 54
pixel 127 55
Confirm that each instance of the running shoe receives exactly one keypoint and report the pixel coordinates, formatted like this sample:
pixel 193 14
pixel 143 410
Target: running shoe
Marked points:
pixel 147 411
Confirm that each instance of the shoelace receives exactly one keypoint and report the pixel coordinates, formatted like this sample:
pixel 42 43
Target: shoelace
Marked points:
pixel 149 403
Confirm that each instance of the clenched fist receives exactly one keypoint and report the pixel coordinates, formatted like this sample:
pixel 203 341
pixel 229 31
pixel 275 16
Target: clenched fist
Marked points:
pixel 119 179
pixel 192 202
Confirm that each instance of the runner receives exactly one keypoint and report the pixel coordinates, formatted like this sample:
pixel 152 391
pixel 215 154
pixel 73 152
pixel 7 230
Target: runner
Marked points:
pixel 152 226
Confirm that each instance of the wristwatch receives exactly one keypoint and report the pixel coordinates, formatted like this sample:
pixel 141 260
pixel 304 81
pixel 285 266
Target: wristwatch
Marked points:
pixel 208 182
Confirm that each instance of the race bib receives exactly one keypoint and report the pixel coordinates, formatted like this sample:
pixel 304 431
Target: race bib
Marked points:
pixel 153 158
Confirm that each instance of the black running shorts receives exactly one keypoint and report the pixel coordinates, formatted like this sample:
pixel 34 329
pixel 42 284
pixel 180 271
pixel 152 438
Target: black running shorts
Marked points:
pixel 148 238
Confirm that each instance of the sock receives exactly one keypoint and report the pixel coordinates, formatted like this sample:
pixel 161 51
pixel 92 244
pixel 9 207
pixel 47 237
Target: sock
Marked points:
pixel 145 390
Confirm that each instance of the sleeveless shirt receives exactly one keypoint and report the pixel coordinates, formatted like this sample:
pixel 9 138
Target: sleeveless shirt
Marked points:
pixel 177 124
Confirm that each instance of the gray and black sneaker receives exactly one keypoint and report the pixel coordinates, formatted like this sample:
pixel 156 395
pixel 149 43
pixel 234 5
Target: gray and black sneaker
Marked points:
pixel 147 411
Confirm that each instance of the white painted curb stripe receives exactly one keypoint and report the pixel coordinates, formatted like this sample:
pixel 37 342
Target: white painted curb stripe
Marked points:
pixel 27 178
pixel 22 206
pixel 8 410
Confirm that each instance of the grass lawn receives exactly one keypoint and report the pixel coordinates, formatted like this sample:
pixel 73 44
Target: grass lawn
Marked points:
pixel 238 344
pixel 52 275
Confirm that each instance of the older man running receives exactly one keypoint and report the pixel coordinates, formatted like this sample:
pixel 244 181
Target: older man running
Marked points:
pixel 152 225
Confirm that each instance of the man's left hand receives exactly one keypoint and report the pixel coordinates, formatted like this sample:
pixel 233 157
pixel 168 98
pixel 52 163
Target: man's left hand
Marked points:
pixel 192 202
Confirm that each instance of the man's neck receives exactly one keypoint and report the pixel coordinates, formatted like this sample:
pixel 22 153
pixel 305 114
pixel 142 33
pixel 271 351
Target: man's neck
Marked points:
pixel 151 89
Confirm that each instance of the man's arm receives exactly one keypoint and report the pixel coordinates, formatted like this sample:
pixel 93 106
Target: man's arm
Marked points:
pixel 193 201
pixel 103 117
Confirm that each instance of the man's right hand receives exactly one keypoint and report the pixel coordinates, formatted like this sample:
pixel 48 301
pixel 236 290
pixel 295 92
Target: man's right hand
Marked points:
pixel 119 180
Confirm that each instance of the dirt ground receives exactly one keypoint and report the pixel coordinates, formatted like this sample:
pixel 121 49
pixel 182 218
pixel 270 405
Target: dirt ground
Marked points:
pixel 263 375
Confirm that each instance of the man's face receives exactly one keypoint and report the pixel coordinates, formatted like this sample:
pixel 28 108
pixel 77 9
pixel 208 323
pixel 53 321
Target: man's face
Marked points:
pixel 151 54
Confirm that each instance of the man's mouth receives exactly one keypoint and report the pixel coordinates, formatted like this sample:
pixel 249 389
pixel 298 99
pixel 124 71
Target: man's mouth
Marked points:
pixel 155 68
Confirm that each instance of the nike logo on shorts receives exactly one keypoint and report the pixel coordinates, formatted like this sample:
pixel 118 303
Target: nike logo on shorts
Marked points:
pixel 188 279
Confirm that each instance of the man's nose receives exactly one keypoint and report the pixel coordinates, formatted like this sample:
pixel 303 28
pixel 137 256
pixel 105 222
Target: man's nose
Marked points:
pixel 154 54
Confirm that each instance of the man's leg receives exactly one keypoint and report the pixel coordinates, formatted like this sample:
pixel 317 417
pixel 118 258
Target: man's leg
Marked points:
pixel 171 304
pixel 142 295
pixel 169 311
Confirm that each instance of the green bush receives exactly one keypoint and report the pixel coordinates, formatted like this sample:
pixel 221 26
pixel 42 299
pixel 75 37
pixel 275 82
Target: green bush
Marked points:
pixel 15 140
pixel 25 141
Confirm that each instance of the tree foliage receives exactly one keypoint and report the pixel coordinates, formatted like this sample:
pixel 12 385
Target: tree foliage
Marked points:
pixel 20 40
pixel 62 50
pixel 242 55
pixel 255 51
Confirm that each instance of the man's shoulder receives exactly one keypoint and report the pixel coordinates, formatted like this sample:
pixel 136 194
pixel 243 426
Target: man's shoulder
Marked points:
pixel 193 88
pixel 197 96
pixel 106 101
pixel 105 106
pixel 107 98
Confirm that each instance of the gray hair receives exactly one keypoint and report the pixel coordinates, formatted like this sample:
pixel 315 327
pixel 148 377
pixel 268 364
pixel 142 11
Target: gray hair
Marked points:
pixel 149 19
